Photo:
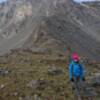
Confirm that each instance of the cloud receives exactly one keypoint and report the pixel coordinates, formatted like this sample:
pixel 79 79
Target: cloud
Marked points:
pixel 79 1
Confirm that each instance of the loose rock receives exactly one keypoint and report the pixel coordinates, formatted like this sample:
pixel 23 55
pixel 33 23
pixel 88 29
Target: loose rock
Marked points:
pixel 55 71
pixel 4 72
pixel 38 84
pixel 2 86
pixel 95 80
pixel 36 97
pixel 33 84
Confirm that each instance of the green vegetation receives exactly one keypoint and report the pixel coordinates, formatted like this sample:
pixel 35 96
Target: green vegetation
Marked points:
pixel 25 66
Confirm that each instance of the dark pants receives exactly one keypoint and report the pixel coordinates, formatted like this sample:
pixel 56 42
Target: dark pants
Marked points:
pixel 78 85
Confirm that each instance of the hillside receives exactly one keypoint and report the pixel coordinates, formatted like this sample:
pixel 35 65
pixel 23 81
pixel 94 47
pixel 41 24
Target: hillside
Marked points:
pixel 27 75
pixel 76 28
pixel 50 24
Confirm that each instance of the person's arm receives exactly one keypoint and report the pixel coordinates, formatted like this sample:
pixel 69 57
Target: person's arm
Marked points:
pixel 71 71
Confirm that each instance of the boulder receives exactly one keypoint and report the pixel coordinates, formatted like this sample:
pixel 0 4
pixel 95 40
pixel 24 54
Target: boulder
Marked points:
pixel 38 84
pixel 4 72
pixel 95 80
pixel 55 71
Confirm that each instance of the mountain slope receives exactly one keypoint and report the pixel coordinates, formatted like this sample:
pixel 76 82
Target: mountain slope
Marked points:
pixel 54 24
pixel 68 29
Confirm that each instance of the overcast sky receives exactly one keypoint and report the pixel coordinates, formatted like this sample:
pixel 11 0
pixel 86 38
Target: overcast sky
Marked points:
pixel 2 1
pixel 85 0
pixel 73 0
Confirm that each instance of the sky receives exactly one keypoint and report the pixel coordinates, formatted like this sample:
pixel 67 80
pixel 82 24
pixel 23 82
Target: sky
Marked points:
pixel 2 1
pixel 79 1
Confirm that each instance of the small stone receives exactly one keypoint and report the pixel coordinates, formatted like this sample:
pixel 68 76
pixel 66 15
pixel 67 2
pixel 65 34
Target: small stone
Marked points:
pixel 90 92
pixel 95 80
pixel 38 84
pixel 33 84
pixel 28 98
pixel 36 97
pixel 20 98
pixel 15 93
pixel 2 86
pixel 47 98
pixel 55 71
pixel 4 72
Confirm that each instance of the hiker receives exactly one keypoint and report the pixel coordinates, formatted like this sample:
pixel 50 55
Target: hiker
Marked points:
pixel 76 70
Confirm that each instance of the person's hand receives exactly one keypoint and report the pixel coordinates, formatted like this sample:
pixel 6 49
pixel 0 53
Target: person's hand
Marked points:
pixel 72 80
pixel 83 78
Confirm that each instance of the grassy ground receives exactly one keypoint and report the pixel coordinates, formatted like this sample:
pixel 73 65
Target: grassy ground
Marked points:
pixel 27 66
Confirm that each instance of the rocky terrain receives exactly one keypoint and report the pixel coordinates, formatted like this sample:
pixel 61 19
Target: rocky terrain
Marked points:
pixel 37 38
pixel 26 75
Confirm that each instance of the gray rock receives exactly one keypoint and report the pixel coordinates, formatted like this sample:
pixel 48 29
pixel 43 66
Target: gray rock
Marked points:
pixel 28 98
pixel 33 84
pixel 95 80
pixel 55 71
pixel 39 50
pixel 2 86
pixel 20 98
pixel 36 97
pixel 38 84
pixel 15 94
pixel 4 72
pixel 90 92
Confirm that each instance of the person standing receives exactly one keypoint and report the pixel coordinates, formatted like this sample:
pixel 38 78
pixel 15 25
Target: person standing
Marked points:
pixel 76 71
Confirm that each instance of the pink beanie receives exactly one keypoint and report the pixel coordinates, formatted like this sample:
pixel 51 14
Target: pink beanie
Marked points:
pixel 75 57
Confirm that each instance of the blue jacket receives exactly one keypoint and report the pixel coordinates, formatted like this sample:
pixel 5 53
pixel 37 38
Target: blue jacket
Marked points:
pixel 76 70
